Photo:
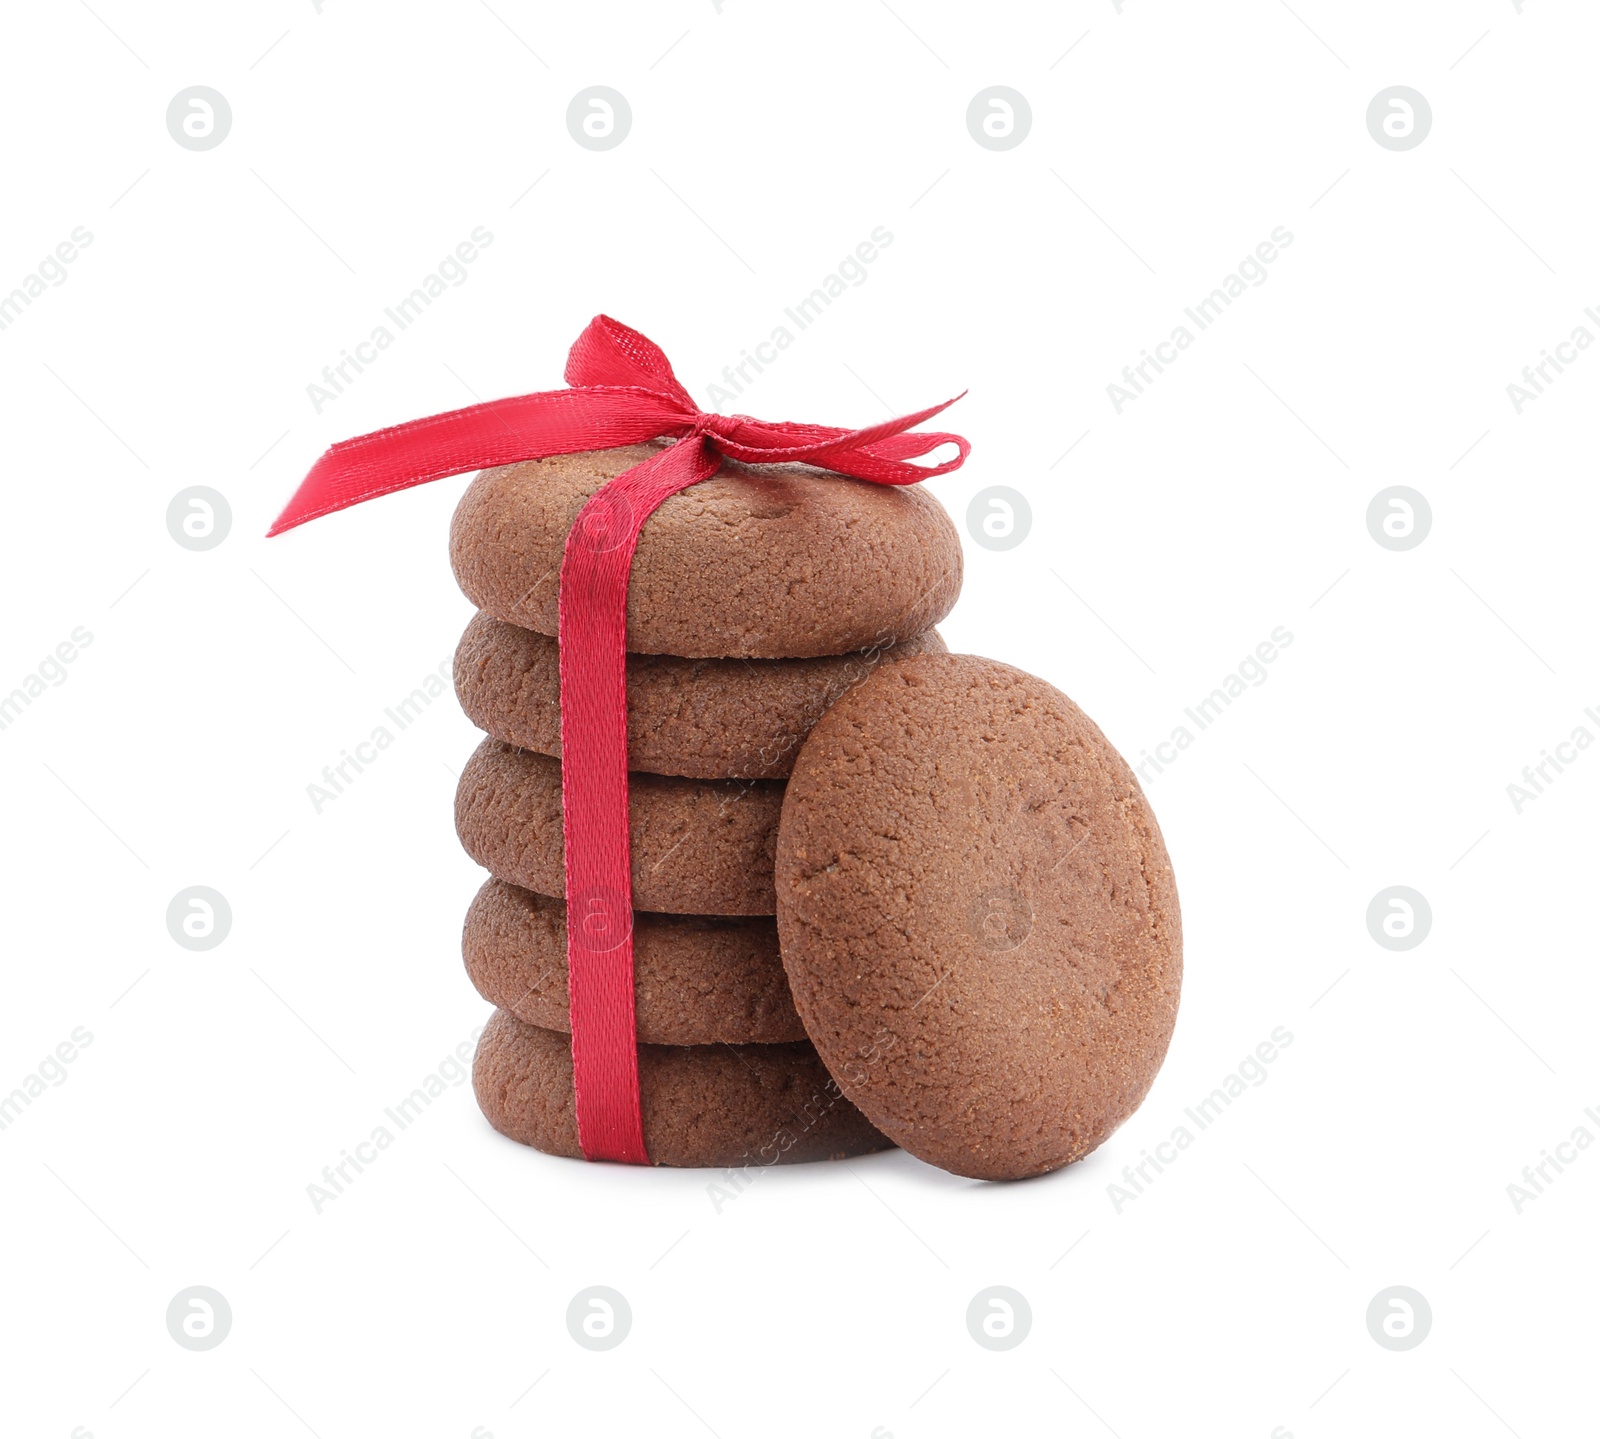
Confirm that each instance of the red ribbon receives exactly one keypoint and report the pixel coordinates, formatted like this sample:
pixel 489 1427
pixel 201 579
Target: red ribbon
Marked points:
pixel 623 392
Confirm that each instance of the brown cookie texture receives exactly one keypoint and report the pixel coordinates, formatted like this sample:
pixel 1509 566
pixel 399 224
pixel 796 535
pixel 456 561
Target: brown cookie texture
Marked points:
pixel 757 562
pixel 703 719
pixel 698 979
pixel 704 1106
pixel 978 916
pixel 698 846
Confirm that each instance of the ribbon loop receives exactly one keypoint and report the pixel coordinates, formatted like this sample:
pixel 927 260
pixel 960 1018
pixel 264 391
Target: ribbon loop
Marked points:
pixel 623 392
pixel 611 353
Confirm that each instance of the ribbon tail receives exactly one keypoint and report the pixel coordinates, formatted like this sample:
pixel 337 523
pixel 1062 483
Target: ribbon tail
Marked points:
pixel 885 462
pixel 500 432
pixel 594 794
pixel 878 453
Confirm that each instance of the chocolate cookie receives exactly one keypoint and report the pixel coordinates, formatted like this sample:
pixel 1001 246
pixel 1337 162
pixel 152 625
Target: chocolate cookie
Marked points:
pixel 705 719
pixel 698 846
pixel 771 561
pixel 978 916
pixel 698 979
pixel 704 1106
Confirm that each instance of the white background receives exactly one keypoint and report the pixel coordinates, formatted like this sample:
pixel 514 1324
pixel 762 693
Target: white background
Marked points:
pixel 767 140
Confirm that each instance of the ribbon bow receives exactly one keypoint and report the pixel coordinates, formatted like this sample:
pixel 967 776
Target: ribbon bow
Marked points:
pixel 623 393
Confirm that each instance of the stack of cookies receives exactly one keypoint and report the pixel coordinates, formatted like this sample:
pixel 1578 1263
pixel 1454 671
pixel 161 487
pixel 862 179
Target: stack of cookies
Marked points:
pixel 757 599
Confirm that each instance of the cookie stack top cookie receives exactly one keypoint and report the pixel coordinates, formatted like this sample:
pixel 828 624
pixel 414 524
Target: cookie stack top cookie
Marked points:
pixel 769 562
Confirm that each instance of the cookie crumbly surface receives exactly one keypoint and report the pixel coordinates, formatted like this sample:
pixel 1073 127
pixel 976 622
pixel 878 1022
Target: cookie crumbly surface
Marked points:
pixel 757 562
pixel 703 1106
pixel 702 719
pixel 698 846
pixel 698 979
pixel 978 916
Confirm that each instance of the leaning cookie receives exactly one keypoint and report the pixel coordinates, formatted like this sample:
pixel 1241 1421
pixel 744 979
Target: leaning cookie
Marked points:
pixel 697 846
pixel 698 979
pixel 772 562
pixel 704 719
pixel 978 916
pixel 704 1106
